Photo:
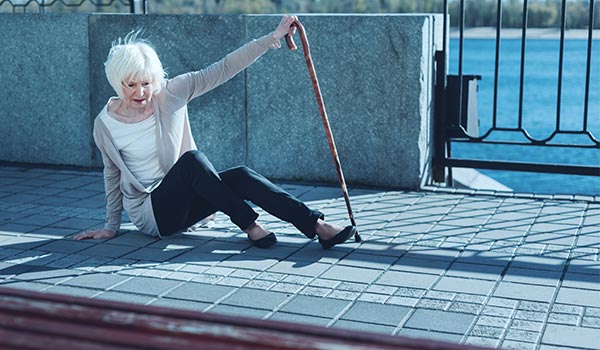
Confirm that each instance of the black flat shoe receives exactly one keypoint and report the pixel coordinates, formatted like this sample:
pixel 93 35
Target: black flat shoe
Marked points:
pixel 266 241
pixel 341 237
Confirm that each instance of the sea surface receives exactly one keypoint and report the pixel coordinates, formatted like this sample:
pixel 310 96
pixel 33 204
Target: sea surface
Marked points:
pixel 539 111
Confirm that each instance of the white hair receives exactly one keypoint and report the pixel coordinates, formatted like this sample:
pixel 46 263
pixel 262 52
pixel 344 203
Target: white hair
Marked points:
pixel 133 58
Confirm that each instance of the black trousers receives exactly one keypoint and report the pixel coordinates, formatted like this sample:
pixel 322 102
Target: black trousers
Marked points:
pixel 193 189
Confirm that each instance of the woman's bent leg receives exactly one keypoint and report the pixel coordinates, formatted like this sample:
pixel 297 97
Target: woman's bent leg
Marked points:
pixel 190 191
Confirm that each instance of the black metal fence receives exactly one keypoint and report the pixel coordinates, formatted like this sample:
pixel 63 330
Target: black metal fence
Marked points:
pixel 454 115
pixel 63 6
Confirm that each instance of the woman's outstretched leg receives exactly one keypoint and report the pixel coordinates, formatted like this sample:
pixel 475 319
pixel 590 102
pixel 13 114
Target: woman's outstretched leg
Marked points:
pixel 254 187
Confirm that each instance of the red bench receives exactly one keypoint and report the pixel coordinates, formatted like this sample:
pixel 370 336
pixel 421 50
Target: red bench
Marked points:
pixel 33 320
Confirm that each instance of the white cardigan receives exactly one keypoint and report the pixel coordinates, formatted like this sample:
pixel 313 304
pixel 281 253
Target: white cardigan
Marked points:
pixel 174 137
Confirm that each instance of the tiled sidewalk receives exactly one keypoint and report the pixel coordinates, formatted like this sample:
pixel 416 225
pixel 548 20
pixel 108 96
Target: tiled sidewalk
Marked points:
pixel 493 270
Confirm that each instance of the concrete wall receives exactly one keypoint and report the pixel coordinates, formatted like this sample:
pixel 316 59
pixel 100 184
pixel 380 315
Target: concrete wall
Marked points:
pixel 375 72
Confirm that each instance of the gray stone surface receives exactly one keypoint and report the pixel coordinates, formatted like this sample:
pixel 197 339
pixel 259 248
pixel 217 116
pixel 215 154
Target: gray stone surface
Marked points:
pixel 379 100
pixel 376 101
pixel 443 321
pixel 45 110
pixel 435 284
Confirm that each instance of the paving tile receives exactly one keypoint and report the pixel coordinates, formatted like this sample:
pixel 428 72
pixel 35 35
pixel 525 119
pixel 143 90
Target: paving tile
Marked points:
pixel 369 261
pixel 315 291
pixel 315 306
pixel 390 315
pixel 298 268
pixel 487 331
pixel 524 291
pixel 517 345
pixel 107 250
pixel 33 286
pixel 477 271
pixel 583 281
pixel 433 304
pixel 22 197
pixel 248 262
pixel 442 321
pixel 533 306
pixel 65 246
pixel 199 292
pixel 352 274
pixel 151 254
pixel 494 257
pixel 238 311
pixel 578 297
pixel 579 266
pixel 54 232
pixel 36 258
pixel 522 335
pixel 297 318
pixel 96 280
pixel 47 275
pixel 78 223
pixel 529 276
pixel 74 291
pixel 38 219
pixel 527 325
pixel 423 334
pixel 8 269
pixel 411 264
pixel 592 322
pixel 560 335
pixel 407 279
pixel 552 347
pixel 364 327
pixel 23 243
pixel 538 263
pixel 134 239
pixel 125 297
pixel 529 315
pixel 180 304
pixel 592 312
pixel 564 319
pixel 464 285
pixel 286 287
pixel 145 285
pixel 493 321
pixel 568 309
pixel 478 341
pixel 256 299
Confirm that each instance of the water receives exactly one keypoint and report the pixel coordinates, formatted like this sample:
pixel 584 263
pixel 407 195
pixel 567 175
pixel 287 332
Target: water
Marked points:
pixel 539 109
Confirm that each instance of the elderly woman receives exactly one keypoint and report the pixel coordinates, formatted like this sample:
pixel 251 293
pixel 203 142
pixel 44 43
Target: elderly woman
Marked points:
pixel 152 168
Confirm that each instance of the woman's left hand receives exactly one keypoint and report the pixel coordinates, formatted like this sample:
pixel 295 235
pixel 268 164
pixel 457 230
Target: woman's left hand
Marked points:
pixel 284 28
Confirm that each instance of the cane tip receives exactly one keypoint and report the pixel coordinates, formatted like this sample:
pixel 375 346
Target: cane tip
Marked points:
pixel 357 237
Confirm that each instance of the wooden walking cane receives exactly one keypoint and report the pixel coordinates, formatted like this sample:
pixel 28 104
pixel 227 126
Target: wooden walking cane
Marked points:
pixel 315 83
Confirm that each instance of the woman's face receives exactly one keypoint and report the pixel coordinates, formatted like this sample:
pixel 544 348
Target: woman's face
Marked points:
pixel 137 92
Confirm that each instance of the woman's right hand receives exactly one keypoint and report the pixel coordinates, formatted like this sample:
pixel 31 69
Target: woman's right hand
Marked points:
pixel 284 27
pixel 95 234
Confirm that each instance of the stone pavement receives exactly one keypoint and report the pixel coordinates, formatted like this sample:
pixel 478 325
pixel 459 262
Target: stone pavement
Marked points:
pixel 495 269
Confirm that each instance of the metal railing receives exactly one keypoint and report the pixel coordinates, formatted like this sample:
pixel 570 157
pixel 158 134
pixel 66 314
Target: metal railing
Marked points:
pixel 451 131
pixel 43 6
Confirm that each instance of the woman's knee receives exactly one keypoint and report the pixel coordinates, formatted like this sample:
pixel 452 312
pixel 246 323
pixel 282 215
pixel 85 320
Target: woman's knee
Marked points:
pixel 237 172
pixel 196 161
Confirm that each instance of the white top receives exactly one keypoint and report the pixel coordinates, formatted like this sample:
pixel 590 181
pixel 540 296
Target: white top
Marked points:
pixel 137 144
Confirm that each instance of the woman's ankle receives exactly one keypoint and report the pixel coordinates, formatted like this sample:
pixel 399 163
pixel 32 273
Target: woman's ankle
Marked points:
pixel 255 231
pixel 326 230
